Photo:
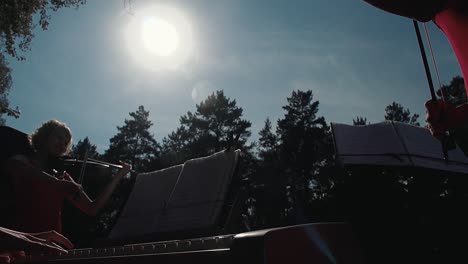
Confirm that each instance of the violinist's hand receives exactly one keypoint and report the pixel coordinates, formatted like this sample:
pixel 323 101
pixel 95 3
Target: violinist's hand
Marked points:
pixel 126 168
pixel 22 244
pixel 53 238
pixel 68 185
pixel 68 177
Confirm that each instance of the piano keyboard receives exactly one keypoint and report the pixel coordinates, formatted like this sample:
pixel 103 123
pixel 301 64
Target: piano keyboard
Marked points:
pixel 303 244
pixel 196 245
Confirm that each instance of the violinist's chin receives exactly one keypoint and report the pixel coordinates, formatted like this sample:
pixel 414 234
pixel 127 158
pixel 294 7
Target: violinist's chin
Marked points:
pixel 57 150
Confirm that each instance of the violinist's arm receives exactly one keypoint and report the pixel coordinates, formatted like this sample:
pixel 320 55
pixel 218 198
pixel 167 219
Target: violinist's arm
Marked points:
pixel 421 10
pixel 46 241
pixel 20 167
pixel 90 207
pixel 15 245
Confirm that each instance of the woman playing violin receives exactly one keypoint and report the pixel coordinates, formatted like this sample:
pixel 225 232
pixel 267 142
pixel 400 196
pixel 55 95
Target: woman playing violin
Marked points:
pixel 39 196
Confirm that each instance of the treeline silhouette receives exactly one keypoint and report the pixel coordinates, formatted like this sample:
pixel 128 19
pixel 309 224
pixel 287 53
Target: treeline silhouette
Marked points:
pixel 398 214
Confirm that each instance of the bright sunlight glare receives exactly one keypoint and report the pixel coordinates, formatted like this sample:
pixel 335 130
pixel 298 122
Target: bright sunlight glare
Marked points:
pixel 159 37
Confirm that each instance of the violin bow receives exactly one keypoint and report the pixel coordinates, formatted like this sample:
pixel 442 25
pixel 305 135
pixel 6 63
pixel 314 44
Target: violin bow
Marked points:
pixel 103 163
pixel 83 167
pixel 446 139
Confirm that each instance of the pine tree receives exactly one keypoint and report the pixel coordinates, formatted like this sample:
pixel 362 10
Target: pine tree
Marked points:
pixel 301 131
pixel 360 121
pixel 134 143
pixel 396 112
pixel 210 129
pixel 268 192
pixel 455 92
pixel 268 142
pixel 82 146
pixel 305 148
pixel 5 86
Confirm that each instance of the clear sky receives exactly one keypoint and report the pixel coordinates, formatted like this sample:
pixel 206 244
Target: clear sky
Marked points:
pixel 98 63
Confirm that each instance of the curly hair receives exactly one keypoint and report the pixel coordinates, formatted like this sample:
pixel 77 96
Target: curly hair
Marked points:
pixel 40 136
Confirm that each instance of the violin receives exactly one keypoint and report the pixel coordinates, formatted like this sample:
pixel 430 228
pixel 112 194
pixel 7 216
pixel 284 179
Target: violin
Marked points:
pixel 56 166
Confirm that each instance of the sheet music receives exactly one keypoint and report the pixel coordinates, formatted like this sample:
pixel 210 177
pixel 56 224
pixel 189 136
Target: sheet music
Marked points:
pixel 149 196
pixel 420 142
pixel 199 193
pixel 376 144
pixel 184 197
pixel 394 144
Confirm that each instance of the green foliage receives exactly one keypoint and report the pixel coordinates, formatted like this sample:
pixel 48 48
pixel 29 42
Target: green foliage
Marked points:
pixel 393 112
pixel 455 92
pixel 134 143
pixel 288 181
pixel 268 142
pixel 396 112
pixel 268 193
pixel 305 146
pixel 17 21
pixel 360 121
pixel 208 130
pixel 5 86
pixel 301 132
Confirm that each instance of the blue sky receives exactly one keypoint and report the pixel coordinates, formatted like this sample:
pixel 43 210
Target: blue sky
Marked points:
pixel 86 70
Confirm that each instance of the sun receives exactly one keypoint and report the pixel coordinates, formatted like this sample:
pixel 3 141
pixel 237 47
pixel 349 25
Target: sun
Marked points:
pixel 159 37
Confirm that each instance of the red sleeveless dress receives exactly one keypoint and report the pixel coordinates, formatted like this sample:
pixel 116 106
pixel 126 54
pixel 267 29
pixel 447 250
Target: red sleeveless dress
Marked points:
pixel 38 205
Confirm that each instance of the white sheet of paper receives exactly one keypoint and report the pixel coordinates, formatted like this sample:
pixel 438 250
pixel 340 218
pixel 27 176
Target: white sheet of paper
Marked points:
pixel 394 144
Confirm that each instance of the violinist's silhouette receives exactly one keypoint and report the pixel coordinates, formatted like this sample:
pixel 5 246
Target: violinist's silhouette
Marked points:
pixel 39 195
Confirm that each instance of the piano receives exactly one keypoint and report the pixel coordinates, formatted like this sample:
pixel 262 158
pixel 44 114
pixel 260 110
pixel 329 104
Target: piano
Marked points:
pixel 313 243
